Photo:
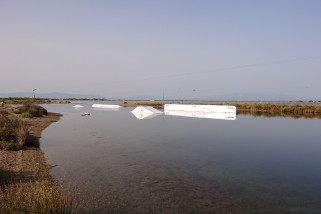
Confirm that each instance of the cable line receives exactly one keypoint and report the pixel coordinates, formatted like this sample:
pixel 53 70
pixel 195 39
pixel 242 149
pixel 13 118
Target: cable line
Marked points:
pixel 229 68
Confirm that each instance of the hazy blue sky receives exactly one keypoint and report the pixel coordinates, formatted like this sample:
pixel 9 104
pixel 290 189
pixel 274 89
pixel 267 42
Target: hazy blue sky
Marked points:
pixel 124 48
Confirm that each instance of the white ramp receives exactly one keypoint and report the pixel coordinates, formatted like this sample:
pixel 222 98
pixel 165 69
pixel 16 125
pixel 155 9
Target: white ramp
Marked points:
pixel 146 110
pixel 200 108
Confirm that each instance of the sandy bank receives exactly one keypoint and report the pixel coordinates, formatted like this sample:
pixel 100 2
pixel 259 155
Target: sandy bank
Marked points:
pixel 28 164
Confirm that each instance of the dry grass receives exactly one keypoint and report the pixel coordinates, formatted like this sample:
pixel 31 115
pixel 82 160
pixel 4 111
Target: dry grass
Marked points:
pixel 34 197
pixel 13 130
pixel 278 108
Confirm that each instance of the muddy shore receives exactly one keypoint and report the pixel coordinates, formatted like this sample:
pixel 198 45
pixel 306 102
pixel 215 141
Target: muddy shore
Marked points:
pixel 28 164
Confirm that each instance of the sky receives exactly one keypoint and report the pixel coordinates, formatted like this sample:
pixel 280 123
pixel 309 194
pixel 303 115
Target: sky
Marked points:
pixel 176 47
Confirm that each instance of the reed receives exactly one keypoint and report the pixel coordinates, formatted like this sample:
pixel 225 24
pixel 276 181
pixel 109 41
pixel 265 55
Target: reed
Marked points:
pixel 271 107
pixel 34 197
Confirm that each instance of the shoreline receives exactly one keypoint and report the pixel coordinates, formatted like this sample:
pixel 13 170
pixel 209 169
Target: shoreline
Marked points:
pixel 26 185
pixel 28 164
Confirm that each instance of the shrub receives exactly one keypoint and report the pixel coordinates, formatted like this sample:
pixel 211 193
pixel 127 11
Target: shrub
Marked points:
pixel 6 129
pixel 12 130
pixel 26 115
pixel 34 110
pixel 20 132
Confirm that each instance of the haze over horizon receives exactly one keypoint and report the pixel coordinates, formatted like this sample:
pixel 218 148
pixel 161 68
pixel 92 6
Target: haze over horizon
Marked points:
pixel 179 48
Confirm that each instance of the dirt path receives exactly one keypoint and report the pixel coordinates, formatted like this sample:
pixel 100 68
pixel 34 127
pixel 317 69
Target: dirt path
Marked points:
pixel 28 164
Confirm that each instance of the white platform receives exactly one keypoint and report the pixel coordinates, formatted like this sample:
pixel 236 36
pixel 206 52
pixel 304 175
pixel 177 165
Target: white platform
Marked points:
pixel 105 106
pixel 200 108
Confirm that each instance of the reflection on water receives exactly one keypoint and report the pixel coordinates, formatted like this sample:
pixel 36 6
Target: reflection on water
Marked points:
pixel 112 162
pixel 204 115
pixel 279 114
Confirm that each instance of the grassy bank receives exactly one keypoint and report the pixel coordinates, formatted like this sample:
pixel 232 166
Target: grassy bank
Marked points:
pixel 14 134
pixel 25 183
pixel 271 107
pixel 34 197
pixel 257 109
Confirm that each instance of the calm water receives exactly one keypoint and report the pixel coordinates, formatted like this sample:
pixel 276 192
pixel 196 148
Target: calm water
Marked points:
pixel 112 162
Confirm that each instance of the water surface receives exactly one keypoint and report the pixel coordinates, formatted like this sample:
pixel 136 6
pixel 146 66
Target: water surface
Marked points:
pixel 112 162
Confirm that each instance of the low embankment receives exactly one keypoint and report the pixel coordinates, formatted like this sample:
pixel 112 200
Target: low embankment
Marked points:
pixel 20 100
pixel 257 109
pixel 25 182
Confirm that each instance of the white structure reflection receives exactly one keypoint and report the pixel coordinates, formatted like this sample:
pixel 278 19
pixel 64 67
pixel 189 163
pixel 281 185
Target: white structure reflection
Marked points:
pixel 213 115
pixel 106 106
pixel 142 116
pixel 106 109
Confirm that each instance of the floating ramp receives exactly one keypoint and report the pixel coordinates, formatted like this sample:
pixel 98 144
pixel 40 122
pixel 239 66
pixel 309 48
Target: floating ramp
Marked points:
pixel 105 106
pixel 146 110
pixel 143 116
pixel 204 115
pixel 200 108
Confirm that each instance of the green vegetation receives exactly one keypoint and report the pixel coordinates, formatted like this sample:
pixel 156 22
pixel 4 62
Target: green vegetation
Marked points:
pixel 34 197
pixel 13 132
pixel 32 109
pixel 26 115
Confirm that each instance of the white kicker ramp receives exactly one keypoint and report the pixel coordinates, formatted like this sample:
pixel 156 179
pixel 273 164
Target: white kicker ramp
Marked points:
pixel 146 109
